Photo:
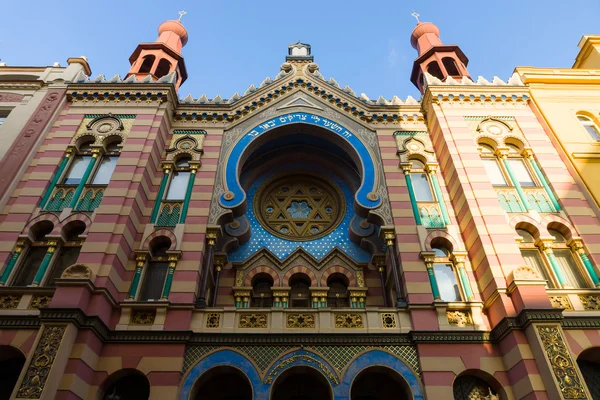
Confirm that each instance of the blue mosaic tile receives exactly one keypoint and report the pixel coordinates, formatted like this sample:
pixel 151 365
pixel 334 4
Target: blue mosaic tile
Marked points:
pixel 318 248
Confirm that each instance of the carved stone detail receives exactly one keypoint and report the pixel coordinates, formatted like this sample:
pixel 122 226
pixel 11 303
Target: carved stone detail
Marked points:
pixel 349 320
pixel 388 320
pixel 77 271
pixel 563 366
pixel 561 302
pixel 459 318
pixel 255 320
pixel 40 302
pixel 9 302
pixel 590 302
pixel 10 98
pixel 142 317
pixel 525 273
pixel 300 320
pixel 41 362
pixel 213 320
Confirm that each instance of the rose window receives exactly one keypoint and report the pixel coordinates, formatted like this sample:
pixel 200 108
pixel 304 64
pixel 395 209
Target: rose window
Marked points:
pixel 299 207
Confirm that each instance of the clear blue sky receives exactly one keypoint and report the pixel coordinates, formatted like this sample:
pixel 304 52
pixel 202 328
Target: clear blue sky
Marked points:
pixel 363 44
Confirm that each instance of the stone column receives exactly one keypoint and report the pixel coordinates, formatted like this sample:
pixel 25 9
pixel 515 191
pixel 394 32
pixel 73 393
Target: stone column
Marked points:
pixel 577 246
pixel 140 261
pixel 503 155
pixel 379 262
pixel 390 240
pixel 61 168
pixel 167 167
pixel 37 280
pixel 459 259
pixel 546 244
pixel 411 193
pixel 358 296
pixel 220 262
pixel 211 240
pixel 12 262
pixel 281 296
pixel 173 258
pixel 538 172
pixel 242 296
pixel 428 257
pixel 319 296
pixel 188 194
pixel 96 153
pixel 432 172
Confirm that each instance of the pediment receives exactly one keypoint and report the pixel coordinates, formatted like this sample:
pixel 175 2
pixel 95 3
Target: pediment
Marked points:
pixel 300 100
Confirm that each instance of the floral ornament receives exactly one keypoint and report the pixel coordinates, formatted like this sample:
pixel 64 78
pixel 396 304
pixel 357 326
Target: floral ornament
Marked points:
pixel 299 209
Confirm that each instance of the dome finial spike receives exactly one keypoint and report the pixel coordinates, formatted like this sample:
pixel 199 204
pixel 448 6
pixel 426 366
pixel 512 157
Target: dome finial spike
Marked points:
pixel 181 14
pixel 414 14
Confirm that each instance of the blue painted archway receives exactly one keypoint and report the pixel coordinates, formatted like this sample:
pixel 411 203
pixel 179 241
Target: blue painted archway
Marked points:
pixel 382 358
pixel 235 195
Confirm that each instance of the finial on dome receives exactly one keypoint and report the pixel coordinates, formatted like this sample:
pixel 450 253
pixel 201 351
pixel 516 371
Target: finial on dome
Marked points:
pixel 181 14
pixel 414 14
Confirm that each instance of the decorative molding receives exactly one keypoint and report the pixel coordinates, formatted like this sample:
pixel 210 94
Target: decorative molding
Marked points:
pixel 306 359
pixel 564 368
pixel 40 302
pixel 9 302
pixel 459 318
pixel 590 302
pixel 300 320
pixel 348 320
pixel 213 320
pixel 561 302
pixel 142 317
pixel 254 320
pixel 388 320
pixel 41 363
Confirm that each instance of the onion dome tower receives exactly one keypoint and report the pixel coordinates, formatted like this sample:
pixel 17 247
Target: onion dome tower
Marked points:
pixel 435 58
pixel 163 56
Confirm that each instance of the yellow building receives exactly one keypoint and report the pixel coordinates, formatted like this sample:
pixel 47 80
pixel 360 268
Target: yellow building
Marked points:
pixel 567 101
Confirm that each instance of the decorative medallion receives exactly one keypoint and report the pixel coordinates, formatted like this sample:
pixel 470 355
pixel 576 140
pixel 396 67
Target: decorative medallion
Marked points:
pixel 459 318
pixel 388 320
pixel 349 320
pixel 213 320
pixel 41 362
pixel 256 320
pixel 565 371
pixel 561 302
pixel 9 302
pixel 590 303
pixel 142 317
pixel 300 320
pixel 299 207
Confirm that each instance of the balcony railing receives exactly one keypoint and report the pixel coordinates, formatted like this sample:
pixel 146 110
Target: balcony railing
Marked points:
pixel 431 215
pixel 62 197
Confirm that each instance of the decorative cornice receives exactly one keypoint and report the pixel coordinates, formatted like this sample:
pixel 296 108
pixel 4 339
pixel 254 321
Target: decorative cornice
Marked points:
pixel 81 321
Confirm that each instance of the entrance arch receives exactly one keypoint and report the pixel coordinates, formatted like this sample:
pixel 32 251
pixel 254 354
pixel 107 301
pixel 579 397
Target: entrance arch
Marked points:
pixel 222 383
pixel 379 383
pixel 11 363
pixel 301 383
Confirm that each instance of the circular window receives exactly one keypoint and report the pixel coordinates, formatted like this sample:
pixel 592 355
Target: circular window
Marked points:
pixel 299 207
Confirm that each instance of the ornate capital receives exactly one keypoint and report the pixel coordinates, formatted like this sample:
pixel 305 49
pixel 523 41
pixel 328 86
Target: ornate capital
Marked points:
pixel 459 258
pixel 576 245
pixel 20 245
pixel 527 152
pixel 173 257
pixel 389 235
pixel 194 166
pixel 406 167
pixel 140 258
pixel 546 244
pixel 502 152
pixel 167 167
pixel 428 257
pixel 70 151
pixel 212 233
pixel 431 167
pixel 96 152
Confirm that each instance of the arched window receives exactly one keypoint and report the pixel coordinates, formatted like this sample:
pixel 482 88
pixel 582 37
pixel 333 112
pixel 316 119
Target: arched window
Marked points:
pixel 446 275
pixel 568 263
pixel 467 387
pixel 68 252
pixel 590 126
pixel 492 166
pixel 124 384
pixel 589 365
pixel 420 182
pixel 79 164
pixel 534 258
pixel 433 68
pixel 179 180
pixel 450 66
pixel 337 296
pixel 107 164
pixel 35 254
pixel 164 66
pixel 11 363
pixel 155 271
pixel 262 295
pixel 147 64
pixel 300 292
